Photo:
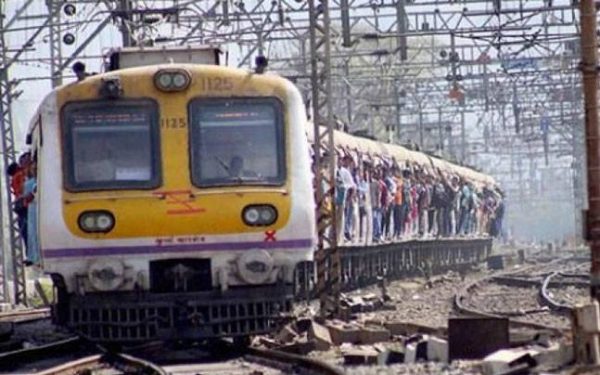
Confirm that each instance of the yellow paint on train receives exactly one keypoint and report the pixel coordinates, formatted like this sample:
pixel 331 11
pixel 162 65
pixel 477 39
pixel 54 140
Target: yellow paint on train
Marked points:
pixel 177 207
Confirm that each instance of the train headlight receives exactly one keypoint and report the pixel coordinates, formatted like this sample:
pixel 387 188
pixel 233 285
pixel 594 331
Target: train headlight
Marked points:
pixel 255 266
pixel 106 274
pixel 259 215
pixel 96 221
pixel 180 80
pixel 172 79
pixel 164 81
pixel 251 216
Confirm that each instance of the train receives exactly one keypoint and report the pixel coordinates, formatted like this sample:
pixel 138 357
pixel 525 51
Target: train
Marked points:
pixel 175 199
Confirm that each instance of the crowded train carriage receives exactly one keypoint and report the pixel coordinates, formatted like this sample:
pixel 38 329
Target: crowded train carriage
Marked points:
pixel 174 201
pixel 386 192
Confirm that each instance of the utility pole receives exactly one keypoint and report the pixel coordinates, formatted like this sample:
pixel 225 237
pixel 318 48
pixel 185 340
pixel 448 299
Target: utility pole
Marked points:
pixel 348 93
pixel 398 111
pixel 578 162
pixel 463 138
pixel 125 7
pixel 54 12
pixel 440 132
pixel 5 121
pixel 327 255
pixel 589 67
pixel 402 26
pixel 421 127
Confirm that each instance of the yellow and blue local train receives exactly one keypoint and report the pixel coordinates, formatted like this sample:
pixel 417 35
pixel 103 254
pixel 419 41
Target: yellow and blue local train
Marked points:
pixel 175 201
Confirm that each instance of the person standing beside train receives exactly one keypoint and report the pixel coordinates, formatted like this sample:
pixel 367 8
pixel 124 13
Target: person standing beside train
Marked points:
pixel 439 202
pixel 344 186
pixel 498 215
pixel 398 202
pixel 356 172
pixel 364 205
pixel 452 189
pixel 430 213
pixel 29 194
pixel 390 185
pixel 424 197
pixel 465 199
pixel 385 202
pixel 375 192
pixel 17 173
pixel 414 205
pixel 407 201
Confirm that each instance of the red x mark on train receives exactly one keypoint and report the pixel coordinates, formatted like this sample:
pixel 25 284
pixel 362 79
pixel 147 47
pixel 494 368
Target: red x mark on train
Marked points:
pixel 183 201
pixel 270 235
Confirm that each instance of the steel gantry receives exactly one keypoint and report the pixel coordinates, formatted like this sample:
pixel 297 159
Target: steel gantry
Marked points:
pixel 9 217
pixel 327 255
pixel 55 36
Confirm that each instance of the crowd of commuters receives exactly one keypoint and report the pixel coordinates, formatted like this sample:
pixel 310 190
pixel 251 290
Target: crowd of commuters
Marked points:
pixel 380 201
pixel 23 187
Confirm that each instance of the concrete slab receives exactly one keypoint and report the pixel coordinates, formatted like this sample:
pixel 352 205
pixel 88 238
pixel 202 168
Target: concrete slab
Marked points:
pixel 320 335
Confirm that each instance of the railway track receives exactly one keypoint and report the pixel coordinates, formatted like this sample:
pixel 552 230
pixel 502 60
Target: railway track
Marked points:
pixel 25 316
pixel 79 356
pixel 73 356
pixel 522 296
pixel 562 291
pixel 21 328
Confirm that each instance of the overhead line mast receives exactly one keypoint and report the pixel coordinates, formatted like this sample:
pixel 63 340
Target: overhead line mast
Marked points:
pixel 589 67
pixel 15 245
pixel 327 256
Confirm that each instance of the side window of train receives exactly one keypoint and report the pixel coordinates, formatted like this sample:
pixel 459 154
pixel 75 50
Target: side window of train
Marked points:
pixel 237 141
pixel 33 138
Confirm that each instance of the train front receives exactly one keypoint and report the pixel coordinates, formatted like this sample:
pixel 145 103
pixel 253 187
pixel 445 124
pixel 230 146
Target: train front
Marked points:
pixel 175 202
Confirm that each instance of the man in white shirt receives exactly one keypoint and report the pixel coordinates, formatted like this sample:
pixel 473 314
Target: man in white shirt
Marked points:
pixel 345 175
pixel 345 186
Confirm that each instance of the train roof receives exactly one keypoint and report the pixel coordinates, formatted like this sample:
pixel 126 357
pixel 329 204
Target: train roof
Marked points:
pixel 392 153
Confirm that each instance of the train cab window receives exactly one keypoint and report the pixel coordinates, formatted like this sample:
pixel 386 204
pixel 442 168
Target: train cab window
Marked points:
pixel 237 141
pixel 111 145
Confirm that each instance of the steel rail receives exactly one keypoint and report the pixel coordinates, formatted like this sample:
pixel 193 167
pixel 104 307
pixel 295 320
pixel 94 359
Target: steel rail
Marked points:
pixel 312 365
pixel 128 363
pixel 524 282
pixel 24 316
pixel 68 347
pixel 78 366
pixel 461 296
pixel 549 301
pixel 123 362
pixel 10 360
pixel 460 307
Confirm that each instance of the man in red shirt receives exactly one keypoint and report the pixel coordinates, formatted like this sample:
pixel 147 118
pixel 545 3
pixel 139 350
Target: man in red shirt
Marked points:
pixel 17 179
pixel 18 175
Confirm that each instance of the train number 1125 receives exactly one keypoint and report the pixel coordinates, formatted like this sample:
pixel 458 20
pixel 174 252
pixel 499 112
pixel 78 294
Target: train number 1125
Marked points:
pixel 216 84
pixel 173 123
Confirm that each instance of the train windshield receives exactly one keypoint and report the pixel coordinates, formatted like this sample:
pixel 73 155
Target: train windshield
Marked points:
pixel 237 141
pixel 111 145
